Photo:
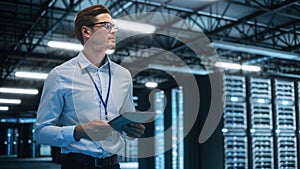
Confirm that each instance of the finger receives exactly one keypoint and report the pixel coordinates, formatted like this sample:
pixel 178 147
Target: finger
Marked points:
pixel 137 129
pixel 133 131
pixel 137 125
pixel 132 134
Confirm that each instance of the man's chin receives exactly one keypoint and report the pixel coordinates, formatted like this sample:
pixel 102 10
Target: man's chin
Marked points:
pixel 112 47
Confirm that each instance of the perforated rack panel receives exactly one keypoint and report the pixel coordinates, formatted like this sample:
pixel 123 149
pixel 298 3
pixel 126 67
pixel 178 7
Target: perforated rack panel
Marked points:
pixel 260 101
pixel 235 116
pixel 261 117
pixel 262 152
pixel 235 87
pixel 236 152
pixel 285 105
pixel 260 89
pixel 287 152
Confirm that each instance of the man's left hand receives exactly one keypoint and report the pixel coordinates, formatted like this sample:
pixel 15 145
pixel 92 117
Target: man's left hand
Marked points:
pixel 134 130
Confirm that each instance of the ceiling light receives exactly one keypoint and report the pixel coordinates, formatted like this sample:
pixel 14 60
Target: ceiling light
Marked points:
pixel 3 108
pixel 228 65
pixel 178 69
pixel 65 45
pixel 151 84
pixel 18 90
pixel 10 101
pixel 251 68
pixel 31 75
pixel 134 26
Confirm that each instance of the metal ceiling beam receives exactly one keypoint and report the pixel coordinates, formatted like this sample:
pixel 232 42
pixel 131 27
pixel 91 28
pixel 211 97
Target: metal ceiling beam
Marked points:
pixel 269 32
pixel 20 3
pixel 29 31
pixel 169 7
pixel 181 14
pixel 282 55
pixel 72 5
pixel 41 15
pixel 119 7
pixel 296 47
pixel 245 19
pixel 165 5
pixel 217 19
pixel 37 58
pixel 259 13
pixel 256 50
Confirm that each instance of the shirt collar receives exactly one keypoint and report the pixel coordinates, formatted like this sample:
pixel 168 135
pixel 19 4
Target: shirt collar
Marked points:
pixel 84 62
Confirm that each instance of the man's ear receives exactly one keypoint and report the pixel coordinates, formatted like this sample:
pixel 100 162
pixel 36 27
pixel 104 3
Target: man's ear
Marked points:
pixel 85 31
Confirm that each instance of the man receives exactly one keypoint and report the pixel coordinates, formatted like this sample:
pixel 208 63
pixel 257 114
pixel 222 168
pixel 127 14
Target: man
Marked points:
pixel 83 94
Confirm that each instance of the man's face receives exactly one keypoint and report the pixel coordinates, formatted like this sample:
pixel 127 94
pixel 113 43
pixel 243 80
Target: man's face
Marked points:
pixel 102 33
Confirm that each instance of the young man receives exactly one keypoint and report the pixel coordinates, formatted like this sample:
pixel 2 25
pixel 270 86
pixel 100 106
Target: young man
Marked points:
pixel 81 95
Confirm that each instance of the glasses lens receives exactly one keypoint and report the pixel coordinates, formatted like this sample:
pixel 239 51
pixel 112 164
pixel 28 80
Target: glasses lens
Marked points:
pixel 109 26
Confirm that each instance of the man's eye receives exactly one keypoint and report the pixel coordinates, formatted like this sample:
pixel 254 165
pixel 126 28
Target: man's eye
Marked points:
pixel 108 26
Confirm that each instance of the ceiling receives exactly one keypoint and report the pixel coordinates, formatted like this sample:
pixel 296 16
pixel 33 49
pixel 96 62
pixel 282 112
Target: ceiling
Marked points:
pixel 264 33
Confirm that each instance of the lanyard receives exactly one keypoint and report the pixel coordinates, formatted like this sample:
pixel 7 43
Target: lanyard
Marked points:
pixel 98 91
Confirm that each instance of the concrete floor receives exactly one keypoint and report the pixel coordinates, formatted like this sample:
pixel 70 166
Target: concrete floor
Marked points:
pixel 12 162
pixel 27 163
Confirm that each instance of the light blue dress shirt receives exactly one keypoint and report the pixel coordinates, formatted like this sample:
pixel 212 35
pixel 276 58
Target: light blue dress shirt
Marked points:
pixel 69 98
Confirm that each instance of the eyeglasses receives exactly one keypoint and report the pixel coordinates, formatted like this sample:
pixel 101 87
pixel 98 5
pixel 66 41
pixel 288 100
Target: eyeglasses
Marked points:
pixel 107 25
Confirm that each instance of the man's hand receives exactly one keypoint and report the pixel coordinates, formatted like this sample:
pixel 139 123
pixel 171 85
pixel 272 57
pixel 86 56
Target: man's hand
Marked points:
pixel 94 130
pixel 134 130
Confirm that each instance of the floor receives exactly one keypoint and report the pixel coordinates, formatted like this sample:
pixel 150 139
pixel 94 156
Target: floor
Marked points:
pixel 27 163
pixel 12 162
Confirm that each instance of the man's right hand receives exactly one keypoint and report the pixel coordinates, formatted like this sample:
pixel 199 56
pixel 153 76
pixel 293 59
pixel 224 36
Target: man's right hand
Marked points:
pixel 93 130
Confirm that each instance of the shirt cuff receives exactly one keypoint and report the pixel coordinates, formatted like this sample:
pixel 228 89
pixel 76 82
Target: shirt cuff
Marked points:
pixel 68 133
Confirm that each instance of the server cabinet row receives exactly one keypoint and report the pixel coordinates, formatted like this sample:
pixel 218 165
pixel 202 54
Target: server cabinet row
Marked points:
pixel 260 123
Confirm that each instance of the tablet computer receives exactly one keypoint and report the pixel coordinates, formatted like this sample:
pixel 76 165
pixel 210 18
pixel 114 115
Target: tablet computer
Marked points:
pixel 126 118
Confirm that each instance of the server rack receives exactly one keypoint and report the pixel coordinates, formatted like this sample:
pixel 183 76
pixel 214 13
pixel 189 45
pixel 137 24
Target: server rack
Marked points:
pixel 260 104
pixel 285 106
pixel 159 143
pixel 285 125
pixel 261 123
pixel 235 116
pixel 177 129
pixel 235 123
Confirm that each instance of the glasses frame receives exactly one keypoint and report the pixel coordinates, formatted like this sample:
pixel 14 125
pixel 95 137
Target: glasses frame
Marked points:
pixel 107 25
